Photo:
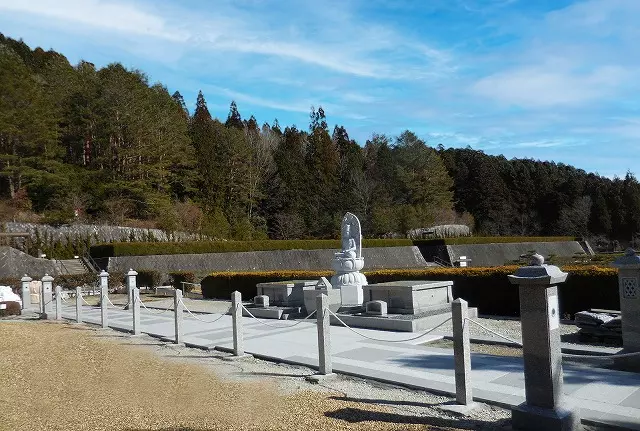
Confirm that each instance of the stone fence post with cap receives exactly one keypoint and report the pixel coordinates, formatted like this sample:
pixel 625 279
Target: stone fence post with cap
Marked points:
pixel 26 292
pixel 104 298
pixel 46 297
pixel 629 290
pixel 545 407
pixel 131 285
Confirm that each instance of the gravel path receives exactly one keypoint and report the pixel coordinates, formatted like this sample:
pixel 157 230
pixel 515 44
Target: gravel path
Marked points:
pixel 57 376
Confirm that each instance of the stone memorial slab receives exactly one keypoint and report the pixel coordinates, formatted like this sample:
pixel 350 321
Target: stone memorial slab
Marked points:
pixel 285 293
pixel 411 296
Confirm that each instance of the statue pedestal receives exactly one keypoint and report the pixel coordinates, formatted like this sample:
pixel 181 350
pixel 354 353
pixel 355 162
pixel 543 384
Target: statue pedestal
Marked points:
pixel 349 280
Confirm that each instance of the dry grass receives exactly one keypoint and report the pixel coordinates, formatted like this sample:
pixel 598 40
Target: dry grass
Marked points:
pixel 64 377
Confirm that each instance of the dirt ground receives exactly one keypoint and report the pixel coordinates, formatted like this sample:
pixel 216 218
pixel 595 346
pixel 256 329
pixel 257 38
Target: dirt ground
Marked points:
pixel 59 376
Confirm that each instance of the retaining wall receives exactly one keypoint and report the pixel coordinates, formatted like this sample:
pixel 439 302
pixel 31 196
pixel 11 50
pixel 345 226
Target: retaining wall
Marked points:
pixel 376 257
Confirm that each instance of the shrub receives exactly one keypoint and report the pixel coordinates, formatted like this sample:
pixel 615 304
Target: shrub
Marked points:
pixel 75 280
pixel 486 288
pixel 13 309
pixel 148 278
pixel 177 277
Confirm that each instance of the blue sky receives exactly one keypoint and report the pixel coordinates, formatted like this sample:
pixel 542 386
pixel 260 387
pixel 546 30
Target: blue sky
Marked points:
pixel 545 79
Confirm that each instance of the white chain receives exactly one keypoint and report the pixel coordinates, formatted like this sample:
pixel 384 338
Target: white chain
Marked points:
pixel 494 332
pixel 386 340
pixel 117 306
pixel 202 320
pixel 155 312
pixel 277 326
pixel 85 301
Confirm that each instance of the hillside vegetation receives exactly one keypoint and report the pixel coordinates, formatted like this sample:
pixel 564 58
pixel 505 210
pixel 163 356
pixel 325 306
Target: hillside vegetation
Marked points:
pixel 80 143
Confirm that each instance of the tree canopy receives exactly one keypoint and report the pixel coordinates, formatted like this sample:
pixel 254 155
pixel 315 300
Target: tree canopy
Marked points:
pixel 114 147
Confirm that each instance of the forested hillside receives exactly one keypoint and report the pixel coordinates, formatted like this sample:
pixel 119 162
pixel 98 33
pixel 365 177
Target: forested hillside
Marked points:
pixel 106 145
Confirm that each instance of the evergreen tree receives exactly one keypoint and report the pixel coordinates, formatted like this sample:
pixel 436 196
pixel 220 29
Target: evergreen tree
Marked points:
pixel 234 119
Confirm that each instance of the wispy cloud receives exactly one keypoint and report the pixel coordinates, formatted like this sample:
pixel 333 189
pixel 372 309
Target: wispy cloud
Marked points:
pixel 106 15
pixel 527 79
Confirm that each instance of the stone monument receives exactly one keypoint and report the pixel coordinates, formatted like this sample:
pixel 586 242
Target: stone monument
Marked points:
pixel 545 407
pixel 348 263
pixel 629 288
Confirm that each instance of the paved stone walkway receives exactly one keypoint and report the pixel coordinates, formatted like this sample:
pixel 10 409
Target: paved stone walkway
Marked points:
pixel 604 396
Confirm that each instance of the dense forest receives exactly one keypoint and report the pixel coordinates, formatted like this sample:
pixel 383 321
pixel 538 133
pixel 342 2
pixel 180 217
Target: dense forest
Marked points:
pixel 79 143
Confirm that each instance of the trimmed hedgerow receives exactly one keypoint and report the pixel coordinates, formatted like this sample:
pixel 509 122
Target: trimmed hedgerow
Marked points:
pixel 197 247
pixel 486 288
pixel 148 278
pixel 12 309
pixel 463 240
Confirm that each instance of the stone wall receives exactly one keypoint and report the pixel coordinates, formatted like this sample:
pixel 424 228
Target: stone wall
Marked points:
pixel 374 258
pixel 499 254
pixel 94 234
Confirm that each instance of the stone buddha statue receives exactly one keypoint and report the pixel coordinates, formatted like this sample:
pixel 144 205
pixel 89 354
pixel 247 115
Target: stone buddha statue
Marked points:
pixel 349 248
pixel 348 262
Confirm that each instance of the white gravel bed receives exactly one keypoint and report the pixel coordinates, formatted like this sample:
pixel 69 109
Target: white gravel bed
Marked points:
pixel 507 327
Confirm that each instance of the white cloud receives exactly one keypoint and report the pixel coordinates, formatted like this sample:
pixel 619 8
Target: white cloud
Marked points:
pixel 297 106
pixel 536 86
pixel 106 15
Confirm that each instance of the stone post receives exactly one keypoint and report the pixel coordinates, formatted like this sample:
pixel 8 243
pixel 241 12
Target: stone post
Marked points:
pixel 629 290
pixel 178 314
pixel 324 334
pixel 236 313
pixel 104 298
pixel 25 292
pixel 46 297
pixel 131 284
pixel 58 303
pixel 135 300
pixel 78 305
pixel 462 351
pixel 544 408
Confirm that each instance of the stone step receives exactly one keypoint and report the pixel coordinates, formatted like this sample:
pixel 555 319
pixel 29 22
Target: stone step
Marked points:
pixel 71 267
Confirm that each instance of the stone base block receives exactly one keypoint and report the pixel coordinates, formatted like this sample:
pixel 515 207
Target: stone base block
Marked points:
pixel 234 358
pixel 351 296
pixel 462 409
pixel 319 378
pixel 631 363
pixel 528 418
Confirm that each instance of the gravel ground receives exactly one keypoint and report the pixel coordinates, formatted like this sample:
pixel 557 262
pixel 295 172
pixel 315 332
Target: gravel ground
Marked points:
pixel 58 376
pixel 508 327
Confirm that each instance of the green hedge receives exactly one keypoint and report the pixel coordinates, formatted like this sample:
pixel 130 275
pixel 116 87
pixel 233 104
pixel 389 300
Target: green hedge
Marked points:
pixel 491 239
pixel 486 288
pixel 197 247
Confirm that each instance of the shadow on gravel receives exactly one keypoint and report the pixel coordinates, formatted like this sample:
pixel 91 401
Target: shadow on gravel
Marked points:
pixel 353 415
pixel 388 402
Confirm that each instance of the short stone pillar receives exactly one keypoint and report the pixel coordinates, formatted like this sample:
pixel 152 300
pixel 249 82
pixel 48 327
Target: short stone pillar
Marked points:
pixel 178 315
pixel 629 289
pixel 25 292
pixel 462 351
pixel 58 303
pixel 104 298
pixel 131 284
pixel 46 297
pixel 324 335
pixel 545 408
pixel 78 305
pixel 236 315
pixel 135 301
